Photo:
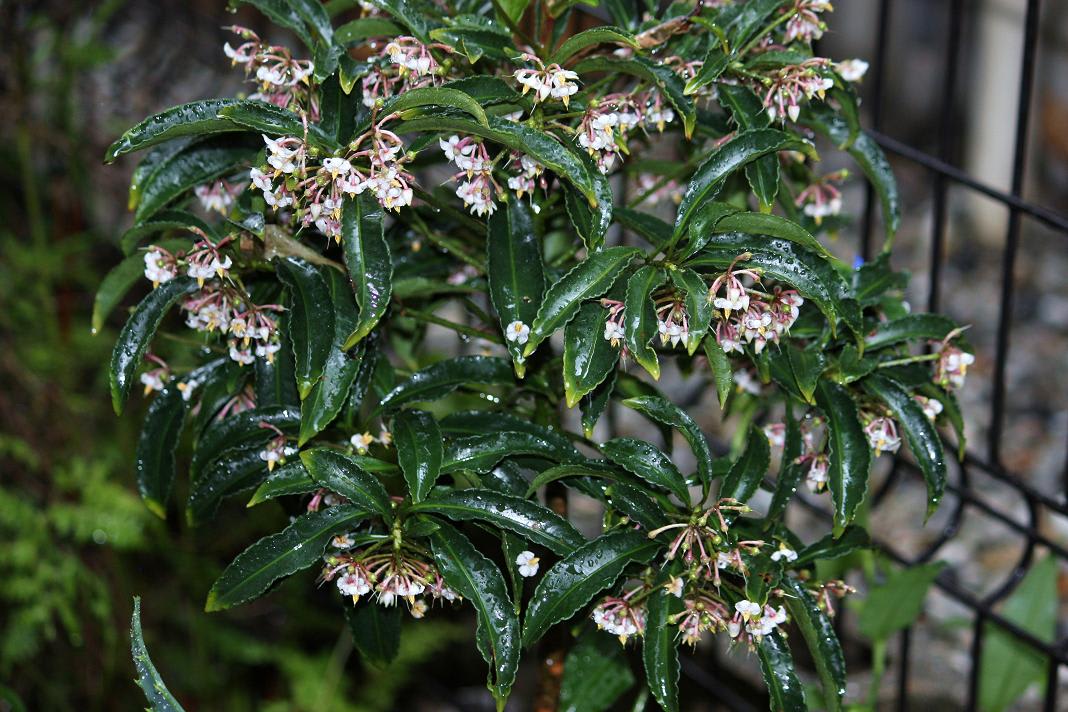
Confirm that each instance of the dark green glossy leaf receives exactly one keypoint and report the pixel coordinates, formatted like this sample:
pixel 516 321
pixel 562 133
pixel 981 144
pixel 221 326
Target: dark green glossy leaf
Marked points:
pixel 296 547
pixel 772 226
pixel 191 166
pixel 747 146
pixel 137 334
pixel 444 377
pixel 807 365
pixel 666 412
pixel 588 469
pixel 272 120
pixel 830 547
pixel 340 473
pixel 920 433
pixel 590 222
pixel 514 270
pixel 790 471
pixel 376 632
pixel 162 221
pixel 365 28
pixel 698 307
pixel 639 317
pixel 530 521
pixel 290 478
pixel 244 428
pixel 587 280
pixel 850 455
pixel 310 319
pixel 914 327
pixel 605 34
pixel 437 96
pixel 481 452
pixel 197 118
pixel 651 228
pixel 777 665
pixel 588 357
pixel 419 450
pixel 703 226
pixel 595 674
pixel 745 107
pixel 633 502
pixel 720 364
pixel 594 403
pixel 649 463
pixel 822 640
pixel 284 14
pixel 747 472
pixel 574 580
pixel 158 696
pixel 713 65
pixel 480 422
pixel 660 647
pixel 369 262
pixel 478 580
pixel 763 177
pixel 234 471
pixel 155 465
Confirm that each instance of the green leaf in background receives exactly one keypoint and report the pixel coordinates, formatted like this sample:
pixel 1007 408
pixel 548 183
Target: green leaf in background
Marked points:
pixel 850 455
pixel 587 280
pixel 819 634
pixel 713 65
pixel 284 14
pixel 763 177
pixel 777 665
pixel 296 547
pixel 419 450
pixel 806 365
pixel 743 479
pixel 376 632
pixel 745 147
pixel 651 228
pixel 155 464
pixel 666 412
pixel 896 603
pixel 649 463
pixel 574 580
pixel 137 334
pixel 834 547
pixel 234 471
pixel 310 319
pixel 920 433
pixel 478 579
pixel 1008 665
pixel 158 696
pixel 365 28
pixel 340 473
pixel 589 221
pixel 197 118
pixel 933 327
pixel 594 403
pixel 530 521
pixel 290 478
pixel 369 262
pixel 660 646
pixel 193 165
pixel 444 377
pixel 163 221
pixel 328 395
pixel 596 674
pixel 514 9
pixel 437 96
pixel 745 107
pixel 588 357
pixel 515 272
pixel 639 317
pixel 703 226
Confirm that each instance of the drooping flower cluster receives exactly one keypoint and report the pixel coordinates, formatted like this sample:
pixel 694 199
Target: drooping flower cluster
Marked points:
pixel 529 174
pixel 805 23
pixel 277 449
pixel 547 82
pixel 403 64
pixel 813 455
pixel 671 320
pixel 821 199
pixel 606 124
pixel 392 574
pixel 622 616
pixel 282 80
pixel 952 365
pixel 882 433
pixel 748 316
pixel 219 196
pixel 788 86
pixel 613 324
pixel 475 183
pixel 315 191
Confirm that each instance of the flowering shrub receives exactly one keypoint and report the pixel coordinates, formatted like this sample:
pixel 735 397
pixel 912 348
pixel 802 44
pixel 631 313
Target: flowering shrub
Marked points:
pixel 421 157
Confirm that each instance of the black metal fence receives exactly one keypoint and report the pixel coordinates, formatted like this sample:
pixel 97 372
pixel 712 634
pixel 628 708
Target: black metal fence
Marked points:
pixel 984 460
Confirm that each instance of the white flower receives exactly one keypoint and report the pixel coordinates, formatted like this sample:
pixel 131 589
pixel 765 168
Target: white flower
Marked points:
pixel 825 209
pixel 931 407
pixel 153 380
pixel 674 586
pixel 342 541
pixel 159 268
pixel 723 560
pixel 336 166
pixel 784 553
pixel 734 629
pixel 242 356
pixel 816 479
pixel 735 299
pixel 418 609
pixel 361 442
pixel 882 435
pixel 747 609
pixel 746 383
pixel 518 332
pixel 527 563
pixel 852 70
pixel 613 332
pixel 352 584
pixel 776 434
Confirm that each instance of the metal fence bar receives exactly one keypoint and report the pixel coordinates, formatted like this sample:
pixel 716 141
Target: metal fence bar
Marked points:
pixel 878 84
